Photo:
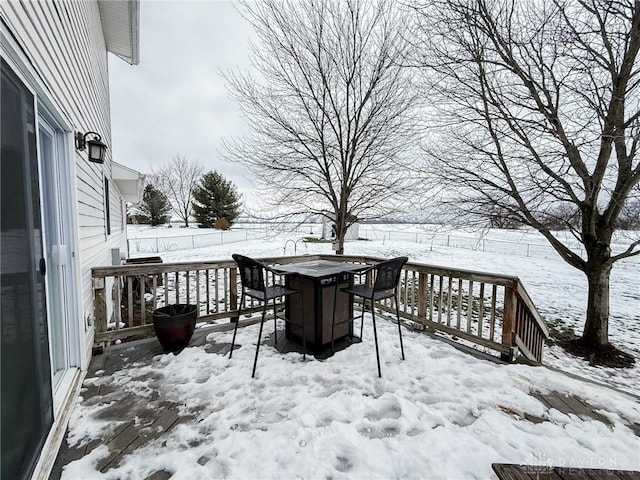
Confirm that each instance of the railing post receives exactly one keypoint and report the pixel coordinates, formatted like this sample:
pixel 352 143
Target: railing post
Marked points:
pixel 233 292
pixel 509 322
pixel 99 306
pixel 422 295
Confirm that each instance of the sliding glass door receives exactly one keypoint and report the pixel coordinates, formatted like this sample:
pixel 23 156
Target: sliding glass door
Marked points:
pixel 27 411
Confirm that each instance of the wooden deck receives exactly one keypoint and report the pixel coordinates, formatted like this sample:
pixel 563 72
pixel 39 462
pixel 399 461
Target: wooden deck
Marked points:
pixel 153 418
pixel 507 471
pixel 142 420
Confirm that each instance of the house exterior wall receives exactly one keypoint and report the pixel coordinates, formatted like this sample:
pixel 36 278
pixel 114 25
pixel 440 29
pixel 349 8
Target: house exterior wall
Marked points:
pixel 57 50
pixel 63 44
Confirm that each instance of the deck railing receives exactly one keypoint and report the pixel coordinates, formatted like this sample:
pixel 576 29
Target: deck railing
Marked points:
pixel 489 311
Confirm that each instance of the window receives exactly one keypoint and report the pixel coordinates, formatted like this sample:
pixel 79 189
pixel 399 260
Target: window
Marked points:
pixel 107 213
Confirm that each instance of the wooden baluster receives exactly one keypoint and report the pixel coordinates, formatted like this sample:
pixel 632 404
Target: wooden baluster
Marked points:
pixel 470 307
pixel 440 299
pixel 143 284
pixel 481 309
pixel 208 291
pixel 233 301
pixel 117 302
pixel 177 287
pixel 130 299
pixel 492 327
pixel 198 290
pixel 459 319
pixel 509 322
pixel 166 288
pixel 449 297
pixel 154 300
pixel 422 296
pixel 414 292
pixel 227 300
pixel 216 283
pixel 187 281
pixel 431 280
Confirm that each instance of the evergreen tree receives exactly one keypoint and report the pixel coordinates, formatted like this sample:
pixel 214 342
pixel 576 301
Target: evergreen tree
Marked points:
pixel 215 198
pixel 154 208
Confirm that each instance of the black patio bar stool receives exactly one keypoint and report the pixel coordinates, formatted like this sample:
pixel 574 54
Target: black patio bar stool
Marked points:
pixel 385 285
pixel 254 278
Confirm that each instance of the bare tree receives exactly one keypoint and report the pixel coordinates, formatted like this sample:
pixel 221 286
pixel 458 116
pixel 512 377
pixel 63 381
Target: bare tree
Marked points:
pixel 177 179
pixel 538 112
pixel 331 116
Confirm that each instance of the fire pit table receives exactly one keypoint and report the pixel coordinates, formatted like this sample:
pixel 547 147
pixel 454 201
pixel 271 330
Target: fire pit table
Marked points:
pixel 317 279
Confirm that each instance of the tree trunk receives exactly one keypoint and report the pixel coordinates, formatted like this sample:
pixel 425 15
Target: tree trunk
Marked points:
pixel 596 328
pixel 339 244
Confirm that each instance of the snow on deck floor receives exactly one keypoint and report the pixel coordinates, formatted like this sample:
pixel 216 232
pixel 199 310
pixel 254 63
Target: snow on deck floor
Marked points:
pixel 439 414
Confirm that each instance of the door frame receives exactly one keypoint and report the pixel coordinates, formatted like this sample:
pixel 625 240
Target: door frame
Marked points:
pixel 68 310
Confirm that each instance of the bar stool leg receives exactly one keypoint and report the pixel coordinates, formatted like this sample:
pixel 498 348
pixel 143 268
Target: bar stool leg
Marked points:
pixel 395 298
pixel 255 361
pixel 362 318
pixel 375 336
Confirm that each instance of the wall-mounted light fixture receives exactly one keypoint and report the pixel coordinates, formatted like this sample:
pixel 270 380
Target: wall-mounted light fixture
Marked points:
pixel 95 147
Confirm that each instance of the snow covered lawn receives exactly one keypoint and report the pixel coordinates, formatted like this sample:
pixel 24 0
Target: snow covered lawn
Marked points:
pixel 439 414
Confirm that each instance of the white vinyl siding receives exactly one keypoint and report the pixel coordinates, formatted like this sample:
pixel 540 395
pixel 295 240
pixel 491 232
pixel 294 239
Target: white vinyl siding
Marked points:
pixel 64 44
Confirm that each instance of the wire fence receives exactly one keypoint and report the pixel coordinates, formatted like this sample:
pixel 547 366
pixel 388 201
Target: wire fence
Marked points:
pixel 186 242
pixel 385 233
pixel 480 242
pixel 244 232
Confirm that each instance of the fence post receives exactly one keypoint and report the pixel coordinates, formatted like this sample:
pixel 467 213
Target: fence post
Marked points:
pixel 509 322
pixel 448 240
pixel 193 242
pixel 157 248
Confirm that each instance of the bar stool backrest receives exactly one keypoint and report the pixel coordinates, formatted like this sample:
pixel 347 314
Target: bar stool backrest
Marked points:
pixel 251 273
pixel 388 273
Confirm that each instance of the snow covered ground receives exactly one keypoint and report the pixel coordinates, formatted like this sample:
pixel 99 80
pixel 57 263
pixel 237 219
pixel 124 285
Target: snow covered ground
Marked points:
pixel 439 414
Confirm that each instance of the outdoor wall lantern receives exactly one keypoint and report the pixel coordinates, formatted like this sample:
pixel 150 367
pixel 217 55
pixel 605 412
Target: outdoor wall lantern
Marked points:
pixel 95 146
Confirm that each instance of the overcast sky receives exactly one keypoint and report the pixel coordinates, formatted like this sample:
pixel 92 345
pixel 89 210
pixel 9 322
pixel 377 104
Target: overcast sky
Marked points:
pixel 175 101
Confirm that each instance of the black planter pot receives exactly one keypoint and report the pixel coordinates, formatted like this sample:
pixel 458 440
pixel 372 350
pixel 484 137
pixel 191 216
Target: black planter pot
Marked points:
pixel 174 325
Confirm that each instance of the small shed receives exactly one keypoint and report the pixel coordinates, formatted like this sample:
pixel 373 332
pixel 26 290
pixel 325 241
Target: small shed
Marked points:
pixel 328 231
